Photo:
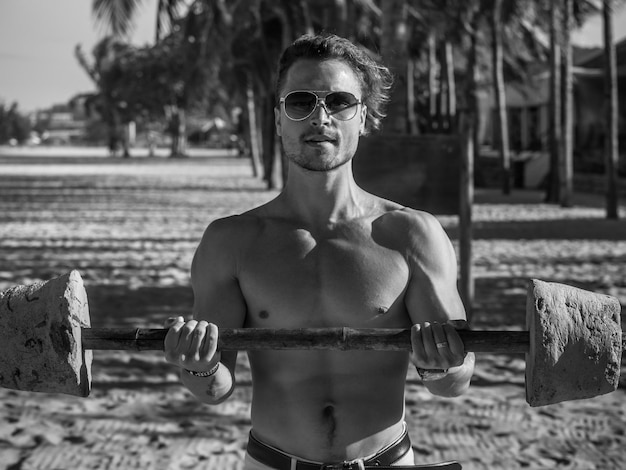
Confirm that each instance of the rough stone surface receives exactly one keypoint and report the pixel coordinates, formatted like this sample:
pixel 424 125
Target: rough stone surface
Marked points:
pixel 41 329
pixel 575 343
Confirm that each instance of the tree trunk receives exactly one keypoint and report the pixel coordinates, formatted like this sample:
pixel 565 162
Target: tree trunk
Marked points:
pixel 610 103
pixel 432 80
pixel 555 107
pixel 442 102
pixel 466 282
pixel 450 86
pixel 394 50
pixel 178 127
pixel 567 164
pixel 500 94
pixel 253 135
pixel 447 95
pixel 269 146
pixel 306 17
pixel 410 85
pixel 340 17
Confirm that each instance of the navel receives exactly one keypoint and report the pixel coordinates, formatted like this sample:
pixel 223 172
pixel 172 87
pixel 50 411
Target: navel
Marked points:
pixel 264 314
pixel 330 423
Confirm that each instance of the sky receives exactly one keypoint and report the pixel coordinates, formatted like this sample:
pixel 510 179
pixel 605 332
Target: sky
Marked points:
pixel 37 40
pixel 38 37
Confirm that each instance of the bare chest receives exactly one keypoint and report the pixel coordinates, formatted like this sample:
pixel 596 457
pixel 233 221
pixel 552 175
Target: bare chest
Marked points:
pixel 293 279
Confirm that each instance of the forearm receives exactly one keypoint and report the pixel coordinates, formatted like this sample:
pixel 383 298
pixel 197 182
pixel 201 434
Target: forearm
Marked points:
pixel 210 390
pixel 456 382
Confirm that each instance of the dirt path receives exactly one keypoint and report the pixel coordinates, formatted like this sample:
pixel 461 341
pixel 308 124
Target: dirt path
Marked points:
pixel 130 228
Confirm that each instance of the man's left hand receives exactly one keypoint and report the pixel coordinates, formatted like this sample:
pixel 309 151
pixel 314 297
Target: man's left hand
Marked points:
pixel 437 345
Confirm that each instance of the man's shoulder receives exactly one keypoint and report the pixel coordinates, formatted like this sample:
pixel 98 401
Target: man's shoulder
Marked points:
pixel 233 223
pixel 406 219
pixel 229 233
pixel 410 231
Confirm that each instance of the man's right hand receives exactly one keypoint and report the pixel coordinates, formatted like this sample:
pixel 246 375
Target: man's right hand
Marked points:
pixel 191 344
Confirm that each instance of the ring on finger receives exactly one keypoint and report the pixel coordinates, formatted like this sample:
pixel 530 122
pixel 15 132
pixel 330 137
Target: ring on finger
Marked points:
pixel 442 344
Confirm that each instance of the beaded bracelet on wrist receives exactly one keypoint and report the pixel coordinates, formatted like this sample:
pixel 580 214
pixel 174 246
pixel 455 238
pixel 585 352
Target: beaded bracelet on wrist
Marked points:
pixel 208 373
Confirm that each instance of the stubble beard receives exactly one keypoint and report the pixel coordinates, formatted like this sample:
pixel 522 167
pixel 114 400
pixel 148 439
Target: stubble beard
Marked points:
pixel 316 161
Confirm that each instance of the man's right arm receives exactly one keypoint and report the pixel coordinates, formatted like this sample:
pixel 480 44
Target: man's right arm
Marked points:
pixel 218 303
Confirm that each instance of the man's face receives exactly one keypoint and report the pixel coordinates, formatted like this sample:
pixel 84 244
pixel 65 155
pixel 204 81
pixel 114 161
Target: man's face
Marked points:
pixel 320 142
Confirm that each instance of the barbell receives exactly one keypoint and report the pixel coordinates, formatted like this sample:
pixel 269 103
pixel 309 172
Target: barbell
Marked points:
pixel 573 344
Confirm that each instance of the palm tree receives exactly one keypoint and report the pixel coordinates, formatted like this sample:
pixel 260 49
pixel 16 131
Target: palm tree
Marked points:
pixel 435 34
pixel 196 36
pixel 118 15
pixel 103 72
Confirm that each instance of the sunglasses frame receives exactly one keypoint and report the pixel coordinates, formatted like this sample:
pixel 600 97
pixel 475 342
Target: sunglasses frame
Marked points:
pixel 320 101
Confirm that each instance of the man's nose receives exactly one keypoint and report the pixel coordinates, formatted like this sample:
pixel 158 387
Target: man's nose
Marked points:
pixel 320 115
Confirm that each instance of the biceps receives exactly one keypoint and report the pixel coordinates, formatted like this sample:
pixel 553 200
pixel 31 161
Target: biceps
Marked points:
pixel 432 294
pixel 220 302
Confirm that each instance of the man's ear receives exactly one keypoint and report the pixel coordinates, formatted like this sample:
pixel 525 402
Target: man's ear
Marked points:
pixel 363 119
pixel 277 120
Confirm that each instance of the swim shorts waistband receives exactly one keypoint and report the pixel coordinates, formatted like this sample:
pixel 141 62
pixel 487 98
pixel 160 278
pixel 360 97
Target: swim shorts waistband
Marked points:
pixel 275 458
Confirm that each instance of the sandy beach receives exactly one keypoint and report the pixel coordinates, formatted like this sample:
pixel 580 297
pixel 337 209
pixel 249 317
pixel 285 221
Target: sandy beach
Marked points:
pixel 130 226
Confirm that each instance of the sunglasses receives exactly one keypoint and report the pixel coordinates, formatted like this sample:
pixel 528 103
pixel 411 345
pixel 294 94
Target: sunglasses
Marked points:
pixel 299 105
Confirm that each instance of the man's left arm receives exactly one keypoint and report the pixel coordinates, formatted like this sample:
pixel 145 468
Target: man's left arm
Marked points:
pixel 436 309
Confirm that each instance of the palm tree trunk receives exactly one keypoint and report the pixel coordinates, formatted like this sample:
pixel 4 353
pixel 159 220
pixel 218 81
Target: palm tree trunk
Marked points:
pixel 567 164
pixel 394 49
pixel 269 147
pixel 447 95
pixel 255 159
pixel 555 107
pixel 442 104
pixel 500 94
pixel 340 13
pixel 432 80
pixel 450 85
pixel 306 17
pixel 410 86
pixel 610 103
pixel 179 137
pixel 466 281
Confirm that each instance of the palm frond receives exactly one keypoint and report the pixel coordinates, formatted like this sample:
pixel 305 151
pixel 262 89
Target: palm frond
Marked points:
pixel 167 14
pixel 115 15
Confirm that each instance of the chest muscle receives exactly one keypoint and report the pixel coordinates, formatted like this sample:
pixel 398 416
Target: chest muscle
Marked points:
pixel 292 279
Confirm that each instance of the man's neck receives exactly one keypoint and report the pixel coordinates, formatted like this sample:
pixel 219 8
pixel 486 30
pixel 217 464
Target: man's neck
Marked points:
pixel 323 198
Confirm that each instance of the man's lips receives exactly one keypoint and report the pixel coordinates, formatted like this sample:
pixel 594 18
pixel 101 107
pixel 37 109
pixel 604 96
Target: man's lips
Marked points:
pixel 317 138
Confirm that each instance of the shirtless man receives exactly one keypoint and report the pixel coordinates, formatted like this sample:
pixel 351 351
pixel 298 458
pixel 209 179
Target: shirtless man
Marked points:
pixel 325 253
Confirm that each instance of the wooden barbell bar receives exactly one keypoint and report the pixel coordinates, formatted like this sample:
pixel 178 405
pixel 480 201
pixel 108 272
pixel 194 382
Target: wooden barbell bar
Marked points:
pixel 343 339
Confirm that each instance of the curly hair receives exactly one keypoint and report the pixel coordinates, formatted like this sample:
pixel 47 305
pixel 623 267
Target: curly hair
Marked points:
pixel 375 79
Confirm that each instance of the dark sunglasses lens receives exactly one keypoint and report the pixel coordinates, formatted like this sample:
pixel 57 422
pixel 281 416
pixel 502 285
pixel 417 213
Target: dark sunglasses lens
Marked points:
pixel 340 100
pixel 300 104
pixel 342 105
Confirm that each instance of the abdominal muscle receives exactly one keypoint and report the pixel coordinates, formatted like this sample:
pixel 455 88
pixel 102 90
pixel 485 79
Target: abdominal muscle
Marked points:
pixel 328 406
